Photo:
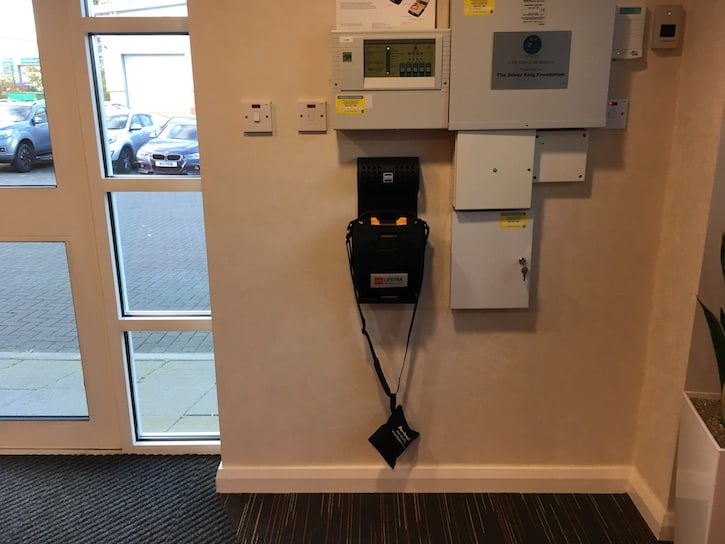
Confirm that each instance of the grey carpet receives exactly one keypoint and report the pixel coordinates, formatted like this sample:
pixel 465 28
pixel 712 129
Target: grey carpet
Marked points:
pixel 110 499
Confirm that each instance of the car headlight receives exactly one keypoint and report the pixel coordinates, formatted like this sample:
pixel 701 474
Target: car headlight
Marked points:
pixel 143 154
pixel 6 133
pixel 192 156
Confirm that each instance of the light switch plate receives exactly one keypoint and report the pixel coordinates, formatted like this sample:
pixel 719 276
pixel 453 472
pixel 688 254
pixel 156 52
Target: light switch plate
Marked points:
pixel 257 116
pixel 311 116
pixel 617 112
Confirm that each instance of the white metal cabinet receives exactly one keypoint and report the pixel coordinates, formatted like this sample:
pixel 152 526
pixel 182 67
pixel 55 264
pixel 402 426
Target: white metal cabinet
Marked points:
pixel 561 155
pixel 493 169
pixel 491 259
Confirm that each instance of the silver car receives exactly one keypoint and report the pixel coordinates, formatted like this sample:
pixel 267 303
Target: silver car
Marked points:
pixel 24 135
pixel 127 131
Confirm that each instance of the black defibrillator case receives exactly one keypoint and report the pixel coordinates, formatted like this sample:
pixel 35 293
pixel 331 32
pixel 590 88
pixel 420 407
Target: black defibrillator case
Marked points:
pixel 386 242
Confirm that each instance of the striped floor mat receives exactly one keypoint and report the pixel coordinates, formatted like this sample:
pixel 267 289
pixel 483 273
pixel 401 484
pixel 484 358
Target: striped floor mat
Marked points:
pixel 465 518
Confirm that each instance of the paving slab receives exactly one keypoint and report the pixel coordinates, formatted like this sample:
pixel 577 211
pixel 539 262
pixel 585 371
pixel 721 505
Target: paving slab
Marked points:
pixel 176 388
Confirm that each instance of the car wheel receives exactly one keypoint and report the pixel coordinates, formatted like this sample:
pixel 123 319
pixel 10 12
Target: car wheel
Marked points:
pixel 124 164
pixel 24 157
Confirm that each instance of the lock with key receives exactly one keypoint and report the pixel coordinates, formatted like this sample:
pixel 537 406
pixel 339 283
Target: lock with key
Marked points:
pixel 524 267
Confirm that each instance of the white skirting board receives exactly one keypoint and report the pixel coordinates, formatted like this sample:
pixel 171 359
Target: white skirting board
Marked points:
pixel 661 521
pixel 451 479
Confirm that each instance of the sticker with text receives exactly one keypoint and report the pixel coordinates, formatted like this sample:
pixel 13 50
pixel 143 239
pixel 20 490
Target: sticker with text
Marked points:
pixel 534 12
pixel 384 281
pixel 479 7
pixel 350 104
pixel 512 220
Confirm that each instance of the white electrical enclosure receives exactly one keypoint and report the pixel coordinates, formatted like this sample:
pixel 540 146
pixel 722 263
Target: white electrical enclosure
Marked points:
pixel 530 64
pixel 629 30
pixel 390 79
pixel 561 155
pixel 493 169
pixel 491 259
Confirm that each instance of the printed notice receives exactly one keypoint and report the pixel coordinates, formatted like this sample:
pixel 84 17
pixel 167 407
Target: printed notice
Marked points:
pixel 385 14
pixel 512 220
pixel 531 60
pixel 479 7
pixel 534 12
pixel 350 104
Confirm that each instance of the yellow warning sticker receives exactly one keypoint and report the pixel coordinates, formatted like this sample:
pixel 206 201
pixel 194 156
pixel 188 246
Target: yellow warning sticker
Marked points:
pixel 479 7
pixel 512 220
pixel 350 104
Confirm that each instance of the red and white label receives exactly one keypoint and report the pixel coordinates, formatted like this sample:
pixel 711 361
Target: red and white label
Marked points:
pixel 383 281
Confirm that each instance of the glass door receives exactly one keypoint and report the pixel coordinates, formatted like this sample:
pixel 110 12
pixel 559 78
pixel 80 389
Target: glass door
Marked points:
pixel 56 388
pixel 105 328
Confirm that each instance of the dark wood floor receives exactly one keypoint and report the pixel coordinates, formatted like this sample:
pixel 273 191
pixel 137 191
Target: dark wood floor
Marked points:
pixel 456 518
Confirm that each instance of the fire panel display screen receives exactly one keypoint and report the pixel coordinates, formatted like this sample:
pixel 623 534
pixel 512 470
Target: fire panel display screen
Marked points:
pixel 400 58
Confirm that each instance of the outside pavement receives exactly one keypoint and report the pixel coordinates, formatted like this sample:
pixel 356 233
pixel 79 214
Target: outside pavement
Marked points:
pixel 164 267
pixel 42 175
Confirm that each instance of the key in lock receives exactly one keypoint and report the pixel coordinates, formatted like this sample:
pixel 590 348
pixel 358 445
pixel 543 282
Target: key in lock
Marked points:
pixel 524 267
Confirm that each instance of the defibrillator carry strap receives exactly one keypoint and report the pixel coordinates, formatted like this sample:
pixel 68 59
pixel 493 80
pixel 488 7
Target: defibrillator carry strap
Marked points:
pixel 376 361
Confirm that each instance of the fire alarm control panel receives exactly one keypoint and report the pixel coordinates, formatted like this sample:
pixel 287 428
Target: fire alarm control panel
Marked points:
pixel 390 79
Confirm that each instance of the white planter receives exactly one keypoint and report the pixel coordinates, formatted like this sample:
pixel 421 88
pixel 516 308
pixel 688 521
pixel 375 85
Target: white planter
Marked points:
pixel 700 486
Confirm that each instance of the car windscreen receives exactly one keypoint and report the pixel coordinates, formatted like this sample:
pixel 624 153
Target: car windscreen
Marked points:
pixel 179 131
pixel 115 122
pixel 13 113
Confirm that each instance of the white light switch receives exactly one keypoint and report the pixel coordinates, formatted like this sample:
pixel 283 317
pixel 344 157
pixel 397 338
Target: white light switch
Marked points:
pixel 311 116
pixel 257 116
pixel 617 112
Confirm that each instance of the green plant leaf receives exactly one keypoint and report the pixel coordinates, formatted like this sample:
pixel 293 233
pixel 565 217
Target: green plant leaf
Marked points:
pixel 722 255
pixel 717 334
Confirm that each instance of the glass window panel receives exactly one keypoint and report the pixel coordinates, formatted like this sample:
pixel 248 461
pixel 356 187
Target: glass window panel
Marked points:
pixel 25 150
pixel 40 365
pixel 148 109
pixel 174 384
pixel 136 8
pixel 161 252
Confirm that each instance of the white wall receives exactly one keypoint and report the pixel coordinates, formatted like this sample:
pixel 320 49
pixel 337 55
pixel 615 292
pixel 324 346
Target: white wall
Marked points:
pixel 688 186
pixel 560 385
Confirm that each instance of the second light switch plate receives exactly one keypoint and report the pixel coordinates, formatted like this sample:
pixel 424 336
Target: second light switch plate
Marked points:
pixel 311 116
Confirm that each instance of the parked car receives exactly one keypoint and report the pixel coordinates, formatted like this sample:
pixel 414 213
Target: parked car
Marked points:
pixel 174 151
pixel 127 131
pixel 24 135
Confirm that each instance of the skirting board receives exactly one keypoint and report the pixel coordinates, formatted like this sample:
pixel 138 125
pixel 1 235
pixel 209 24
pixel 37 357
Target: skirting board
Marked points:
pixel 423 479
pixel 452 479
pixel 660 521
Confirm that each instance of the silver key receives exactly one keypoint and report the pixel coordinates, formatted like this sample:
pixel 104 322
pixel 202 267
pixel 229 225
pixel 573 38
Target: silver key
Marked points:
pixel 524 267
